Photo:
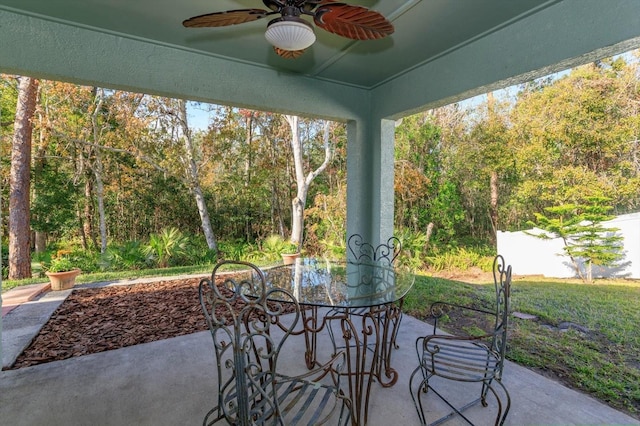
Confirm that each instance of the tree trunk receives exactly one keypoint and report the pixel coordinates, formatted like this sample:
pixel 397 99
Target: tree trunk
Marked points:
pixel 428 238
pixel 494 206
pixel 247 171
pixel 97 169
pixel 97 172
pixel 302 182
pixel 248 121
pixel 298 203
pixel 19 181
pixel 41 242
pixel 38 167
pixel 277 220
pixel 87 219
pixel 194 179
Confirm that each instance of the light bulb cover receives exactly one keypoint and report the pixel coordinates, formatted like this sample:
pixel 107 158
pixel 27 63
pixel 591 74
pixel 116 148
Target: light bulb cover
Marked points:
pixel 288 34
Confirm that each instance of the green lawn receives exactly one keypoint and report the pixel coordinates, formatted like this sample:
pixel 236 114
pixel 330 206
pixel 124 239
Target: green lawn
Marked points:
pixel 122 275
pixel 598 354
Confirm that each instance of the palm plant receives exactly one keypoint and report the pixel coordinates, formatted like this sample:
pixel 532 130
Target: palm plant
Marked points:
pixel 166 245
pixel 272 247
pixel 127 256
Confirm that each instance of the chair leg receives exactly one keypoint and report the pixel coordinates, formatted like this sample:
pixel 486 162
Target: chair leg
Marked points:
pixel 483 393
pixel 415 391
pixel 424 387
pixel 500 417
pixel 213 416
pixel 508 403
pixel 312 325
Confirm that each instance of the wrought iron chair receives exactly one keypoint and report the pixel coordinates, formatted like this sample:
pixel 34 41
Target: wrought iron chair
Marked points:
pixel 249 325
pixel 467 359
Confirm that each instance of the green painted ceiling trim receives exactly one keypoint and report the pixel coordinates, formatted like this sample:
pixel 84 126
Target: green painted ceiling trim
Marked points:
pixel 592 29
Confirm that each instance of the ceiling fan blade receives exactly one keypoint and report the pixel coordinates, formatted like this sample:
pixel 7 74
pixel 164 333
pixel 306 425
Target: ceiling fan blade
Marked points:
pixel 288 54
pixel 223 19
pixel 354 22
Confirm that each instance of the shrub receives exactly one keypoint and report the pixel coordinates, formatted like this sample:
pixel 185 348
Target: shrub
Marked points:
pixel 5 260
pixel 165 246
pixel 414 245
pixel 333 249
pixel 461 258
pixel 127 256
pixel 66 260
pixel 234 250
pixel 271 249
pixel 196 252
pixel 60 264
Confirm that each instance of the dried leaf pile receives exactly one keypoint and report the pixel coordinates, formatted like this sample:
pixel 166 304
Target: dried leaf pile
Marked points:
pixel 101 319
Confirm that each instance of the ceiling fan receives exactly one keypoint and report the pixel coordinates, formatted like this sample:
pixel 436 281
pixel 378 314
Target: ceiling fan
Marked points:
pixel 290 34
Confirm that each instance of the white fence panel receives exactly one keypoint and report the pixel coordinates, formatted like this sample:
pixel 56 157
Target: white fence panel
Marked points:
pixel 529 255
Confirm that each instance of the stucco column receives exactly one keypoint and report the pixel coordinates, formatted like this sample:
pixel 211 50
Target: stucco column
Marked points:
pixel 370 173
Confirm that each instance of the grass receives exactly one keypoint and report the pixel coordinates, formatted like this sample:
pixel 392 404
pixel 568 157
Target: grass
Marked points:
pixel 120 275
pixel 112 276
pixel 597 354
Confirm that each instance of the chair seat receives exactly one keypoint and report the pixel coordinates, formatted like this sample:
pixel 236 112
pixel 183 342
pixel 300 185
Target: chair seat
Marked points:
pixel 300 402
pixel 460 360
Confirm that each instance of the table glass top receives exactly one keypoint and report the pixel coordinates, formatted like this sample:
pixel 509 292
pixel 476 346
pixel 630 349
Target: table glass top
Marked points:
pixel 321 282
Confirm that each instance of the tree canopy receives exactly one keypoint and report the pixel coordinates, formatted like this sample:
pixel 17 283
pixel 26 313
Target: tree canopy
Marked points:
pixel 461 173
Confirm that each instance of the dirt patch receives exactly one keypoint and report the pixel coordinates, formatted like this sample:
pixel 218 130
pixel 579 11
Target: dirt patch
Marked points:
pixel 472 275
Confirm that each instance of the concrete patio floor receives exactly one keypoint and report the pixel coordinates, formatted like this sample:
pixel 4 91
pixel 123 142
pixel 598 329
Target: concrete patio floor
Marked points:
pixel 172 382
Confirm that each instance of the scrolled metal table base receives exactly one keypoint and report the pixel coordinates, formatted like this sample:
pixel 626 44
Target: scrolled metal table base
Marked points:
pixel 368 344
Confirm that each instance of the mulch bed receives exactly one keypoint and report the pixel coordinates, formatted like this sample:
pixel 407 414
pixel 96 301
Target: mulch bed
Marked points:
pixel 101 319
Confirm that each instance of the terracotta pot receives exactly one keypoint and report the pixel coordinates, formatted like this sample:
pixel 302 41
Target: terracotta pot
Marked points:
pixel 63 280
pixel 289 258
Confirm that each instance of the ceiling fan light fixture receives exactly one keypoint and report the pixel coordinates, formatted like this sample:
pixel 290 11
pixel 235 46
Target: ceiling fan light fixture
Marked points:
pixel 290 34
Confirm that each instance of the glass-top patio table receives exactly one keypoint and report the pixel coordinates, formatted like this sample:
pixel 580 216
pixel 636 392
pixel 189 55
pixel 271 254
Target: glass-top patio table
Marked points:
pixel 374 289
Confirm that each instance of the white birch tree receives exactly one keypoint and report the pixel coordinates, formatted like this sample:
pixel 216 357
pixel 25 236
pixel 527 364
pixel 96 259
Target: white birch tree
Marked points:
pixel 192 176
pixel 97 168
pixel 303 181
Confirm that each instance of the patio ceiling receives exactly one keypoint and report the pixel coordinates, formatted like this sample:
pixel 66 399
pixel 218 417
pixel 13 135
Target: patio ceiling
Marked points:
pixel 424 30
pixel 465 46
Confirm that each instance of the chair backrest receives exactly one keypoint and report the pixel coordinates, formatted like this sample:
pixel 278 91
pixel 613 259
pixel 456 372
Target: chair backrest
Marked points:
pixel 364 251
pixel 502 285
pixel 239 316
